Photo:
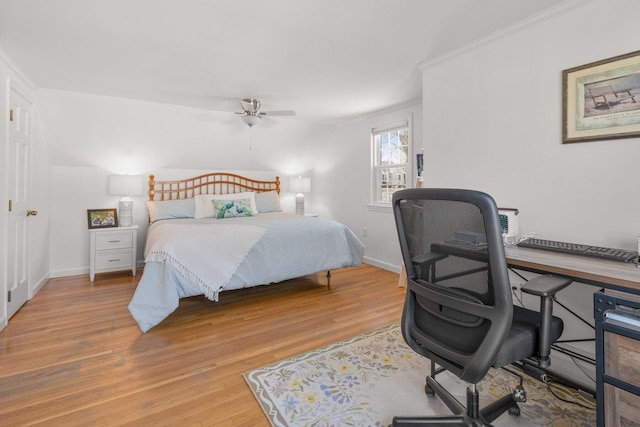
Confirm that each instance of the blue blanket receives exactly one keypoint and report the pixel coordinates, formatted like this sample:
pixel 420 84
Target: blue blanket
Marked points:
pixel 292 246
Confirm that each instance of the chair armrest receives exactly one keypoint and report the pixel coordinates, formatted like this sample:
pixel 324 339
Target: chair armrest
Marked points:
pixel 425 264
pixel 545 286
pixel 428 257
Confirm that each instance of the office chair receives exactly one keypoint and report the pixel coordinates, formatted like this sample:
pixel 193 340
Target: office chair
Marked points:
pixel 458 310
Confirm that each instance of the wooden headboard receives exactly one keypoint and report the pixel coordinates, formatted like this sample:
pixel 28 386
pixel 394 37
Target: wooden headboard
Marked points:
pixel 213 183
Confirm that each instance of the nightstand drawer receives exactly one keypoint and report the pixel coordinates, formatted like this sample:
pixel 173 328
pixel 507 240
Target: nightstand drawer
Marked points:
pixel 113 260
pixel 113 249
pixel 114 240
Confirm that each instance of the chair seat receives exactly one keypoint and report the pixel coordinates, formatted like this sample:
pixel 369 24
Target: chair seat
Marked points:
pixel 522 340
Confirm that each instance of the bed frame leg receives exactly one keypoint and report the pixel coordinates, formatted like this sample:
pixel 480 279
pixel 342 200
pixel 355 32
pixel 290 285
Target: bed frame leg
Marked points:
pixel 329 279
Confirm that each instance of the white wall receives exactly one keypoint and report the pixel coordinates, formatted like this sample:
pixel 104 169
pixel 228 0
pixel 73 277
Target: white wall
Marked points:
pixel 120 134
pixel 40 225
pixel 493 121
pixel 341 183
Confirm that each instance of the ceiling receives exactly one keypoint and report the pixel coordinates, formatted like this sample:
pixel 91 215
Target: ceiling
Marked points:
pixel 330 60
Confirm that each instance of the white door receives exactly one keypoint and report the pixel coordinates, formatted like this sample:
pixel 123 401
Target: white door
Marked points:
pixel 18 162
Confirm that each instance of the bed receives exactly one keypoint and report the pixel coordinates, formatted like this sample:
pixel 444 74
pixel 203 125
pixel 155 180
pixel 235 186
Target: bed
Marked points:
pixel 221 231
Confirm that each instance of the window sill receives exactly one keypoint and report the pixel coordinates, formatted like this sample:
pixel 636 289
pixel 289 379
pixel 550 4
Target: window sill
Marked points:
pixel 380 208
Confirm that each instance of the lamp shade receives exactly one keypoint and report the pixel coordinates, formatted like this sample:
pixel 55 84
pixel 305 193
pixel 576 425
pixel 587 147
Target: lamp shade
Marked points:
pixel 250 119
pixel 300 185
pixel 125 185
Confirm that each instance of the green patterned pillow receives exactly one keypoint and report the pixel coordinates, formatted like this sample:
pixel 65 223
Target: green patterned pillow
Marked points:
pixel 231 208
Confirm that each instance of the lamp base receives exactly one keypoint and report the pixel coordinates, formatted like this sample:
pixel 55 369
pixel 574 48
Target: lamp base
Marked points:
pixel 300 204
pixel 125 213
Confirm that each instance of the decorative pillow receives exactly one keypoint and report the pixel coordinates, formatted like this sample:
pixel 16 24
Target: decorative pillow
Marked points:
pixel 204 207
pixel 268 201
pixel 231 208
pixel 170 209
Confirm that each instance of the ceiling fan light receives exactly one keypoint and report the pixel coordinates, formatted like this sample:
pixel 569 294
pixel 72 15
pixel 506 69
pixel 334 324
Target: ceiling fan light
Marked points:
pixel 250 119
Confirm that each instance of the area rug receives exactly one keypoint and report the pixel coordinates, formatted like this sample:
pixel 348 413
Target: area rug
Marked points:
pixel 367 380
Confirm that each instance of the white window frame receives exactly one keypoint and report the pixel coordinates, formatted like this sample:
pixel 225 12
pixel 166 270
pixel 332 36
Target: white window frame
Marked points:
pixel 375 204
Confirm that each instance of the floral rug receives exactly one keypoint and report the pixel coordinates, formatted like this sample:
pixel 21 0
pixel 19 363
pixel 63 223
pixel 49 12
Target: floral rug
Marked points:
pixel 367 380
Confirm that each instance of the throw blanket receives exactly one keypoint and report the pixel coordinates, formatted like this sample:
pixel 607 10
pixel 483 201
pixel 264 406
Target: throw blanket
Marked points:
pixel 182 247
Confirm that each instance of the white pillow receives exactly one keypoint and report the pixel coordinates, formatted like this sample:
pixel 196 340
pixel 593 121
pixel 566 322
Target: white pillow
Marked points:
pixel 268 201
pixel 204 202
pixel 169 209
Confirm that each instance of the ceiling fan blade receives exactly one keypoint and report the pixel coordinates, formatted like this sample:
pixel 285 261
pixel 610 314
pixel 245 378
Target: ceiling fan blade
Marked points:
pixel 278 113
pixel 209 110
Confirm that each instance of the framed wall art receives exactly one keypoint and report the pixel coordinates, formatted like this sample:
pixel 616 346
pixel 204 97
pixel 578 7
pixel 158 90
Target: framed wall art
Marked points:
pixel 601 100
pixel 102 218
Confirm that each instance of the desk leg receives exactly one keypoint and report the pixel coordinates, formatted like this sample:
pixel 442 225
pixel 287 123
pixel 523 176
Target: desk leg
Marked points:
pixel 402 280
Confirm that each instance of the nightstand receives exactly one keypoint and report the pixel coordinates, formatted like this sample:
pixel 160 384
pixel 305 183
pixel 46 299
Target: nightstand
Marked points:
pixel 112 249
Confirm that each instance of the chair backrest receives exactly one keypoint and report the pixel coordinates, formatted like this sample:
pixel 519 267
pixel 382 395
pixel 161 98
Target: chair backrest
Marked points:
pixel 458 308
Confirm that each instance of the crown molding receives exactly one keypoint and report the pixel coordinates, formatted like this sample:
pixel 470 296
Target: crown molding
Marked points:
pixel 503 32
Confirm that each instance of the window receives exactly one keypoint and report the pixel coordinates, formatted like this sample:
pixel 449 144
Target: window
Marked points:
pixel 391 154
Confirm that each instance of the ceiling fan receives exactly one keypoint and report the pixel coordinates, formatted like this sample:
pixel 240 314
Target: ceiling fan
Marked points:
pixel 251 113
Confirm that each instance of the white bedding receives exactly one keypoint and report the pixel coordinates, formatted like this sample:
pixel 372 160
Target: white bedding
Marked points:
pixel 288 246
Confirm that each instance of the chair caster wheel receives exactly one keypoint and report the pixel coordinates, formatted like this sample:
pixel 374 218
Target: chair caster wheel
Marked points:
pixel 428 390
pixel 519 395
pixel 514 410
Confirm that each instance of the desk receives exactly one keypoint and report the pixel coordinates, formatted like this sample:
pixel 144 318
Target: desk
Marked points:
pixel 616 400
pixel 617 348
pixel 620 276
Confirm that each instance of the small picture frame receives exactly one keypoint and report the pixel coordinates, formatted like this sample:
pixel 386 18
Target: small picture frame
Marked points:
pixel 102 218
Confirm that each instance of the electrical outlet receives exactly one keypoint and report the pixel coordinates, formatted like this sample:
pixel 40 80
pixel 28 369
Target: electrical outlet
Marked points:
pixel 364 231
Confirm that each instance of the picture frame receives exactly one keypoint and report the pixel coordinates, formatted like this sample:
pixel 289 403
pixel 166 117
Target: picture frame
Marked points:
pixel 102 218
pixel 601 100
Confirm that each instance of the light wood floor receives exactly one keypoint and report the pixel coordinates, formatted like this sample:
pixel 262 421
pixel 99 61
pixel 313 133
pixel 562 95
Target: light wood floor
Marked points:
pixel 74 356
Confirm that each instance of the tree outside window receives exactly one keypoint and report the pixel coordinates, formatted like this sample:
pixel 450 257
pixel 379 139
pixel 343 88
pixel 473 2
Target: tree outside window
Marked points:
pixel 391 162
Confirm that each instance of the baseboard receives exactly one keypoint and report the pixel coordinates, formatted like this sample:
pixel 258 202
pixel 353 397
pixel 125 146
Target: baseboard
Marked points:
pixel 81 271
pixel 70 272
pixel 382 264
pixel 39 285
pixel 140 264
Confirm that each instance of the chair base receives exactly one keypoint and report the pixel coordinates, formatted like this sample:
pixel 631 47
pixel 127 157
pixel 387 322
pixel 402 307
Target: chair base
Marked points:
pixel 469 416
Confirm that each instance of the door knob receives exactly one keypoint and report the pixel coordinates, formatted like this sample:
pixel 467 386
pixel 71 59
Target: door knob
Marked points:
pixel 32 213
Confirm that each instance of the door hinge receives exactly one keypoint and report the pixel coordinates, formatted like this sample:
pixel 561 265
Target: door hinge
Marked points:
pixel 11 115
pixel 10 205
pixel 9 296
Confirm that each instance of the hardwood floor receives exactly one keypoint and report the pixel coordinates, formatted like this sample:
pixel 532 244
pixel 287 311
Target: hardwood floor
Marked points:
pixel 73 355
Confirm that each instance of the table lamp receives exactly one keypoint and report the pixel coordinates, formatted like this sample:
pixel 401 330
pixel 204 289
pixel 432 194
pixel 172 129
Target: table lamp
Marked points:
pixel 300 185
pixel 126 186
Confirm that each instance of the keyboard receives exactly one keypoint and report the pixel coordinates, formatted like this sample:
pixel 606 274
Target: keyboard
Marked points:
pixel 577 249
